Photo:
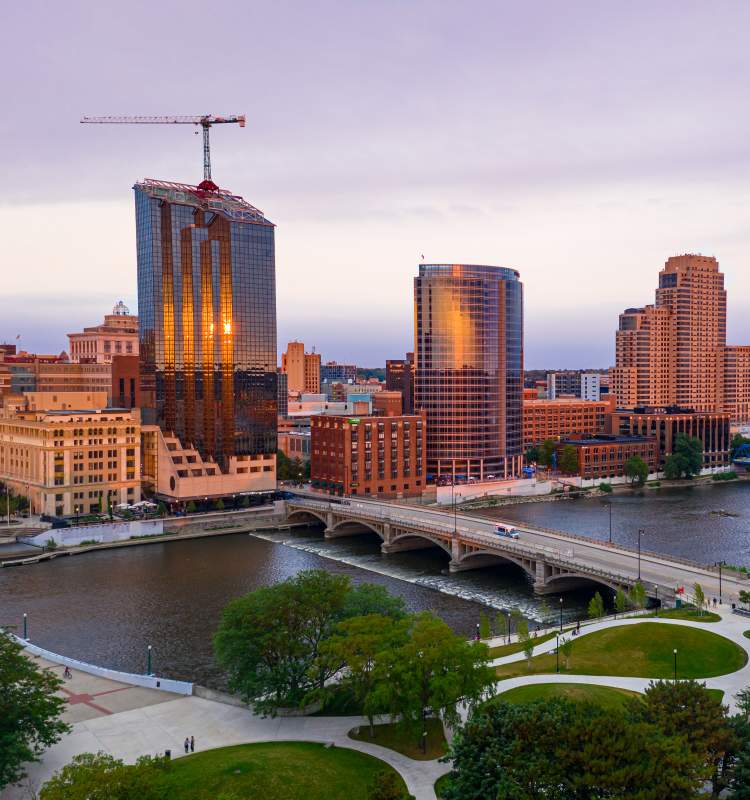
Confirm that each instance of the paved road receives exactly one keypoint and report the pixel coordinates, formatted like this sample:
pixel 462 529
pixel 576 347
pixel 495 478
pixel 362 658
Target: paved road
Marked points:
pixel 665 571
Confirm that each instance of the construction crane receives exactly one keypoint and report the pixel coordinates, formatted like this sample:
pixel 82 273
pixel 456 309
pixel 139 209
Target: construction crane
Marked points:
pixel 205 121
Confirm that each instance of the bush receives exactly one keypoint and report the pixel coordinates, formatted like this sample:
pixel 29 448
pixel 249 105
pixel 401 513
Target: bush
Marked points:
pixel 50 544
pixel 605 487
pixel 731 475
pixel 191 507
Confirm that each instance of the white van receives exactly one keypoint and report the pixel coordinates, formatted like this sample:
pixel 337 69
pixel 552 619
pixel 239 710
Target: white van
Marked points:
pixel 508 531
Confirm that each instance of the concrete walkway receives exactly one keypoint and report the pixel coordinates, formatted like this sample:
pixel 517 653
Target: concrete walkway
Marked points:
pixel 129 721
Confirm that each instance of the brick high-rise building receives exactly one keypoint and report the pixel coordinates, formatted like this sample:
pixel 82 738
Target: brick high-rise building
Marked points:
pixel 302 369
pixel 469 368
pixel 553 419
pixel 736 384
pixel 671 353
pixel 399 377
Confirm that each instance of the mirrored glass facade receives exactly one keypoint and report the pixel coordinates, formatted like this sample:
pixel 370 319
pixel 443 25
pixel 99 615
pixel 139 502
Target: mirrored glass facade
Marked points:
pixel 469 368
pixel 207 316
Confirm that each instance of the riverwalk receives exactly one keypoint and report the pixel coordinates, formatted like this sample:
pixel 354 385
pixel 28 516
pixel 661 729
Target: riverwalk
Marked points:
pixel 128 721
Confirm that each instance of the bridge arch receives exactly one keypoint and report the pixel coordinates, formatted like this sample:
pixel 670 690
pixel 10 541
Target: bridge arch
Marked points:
pixel 405 538
pixel 307 515
pixel 488 558
pixel 341 526
pixel 564 581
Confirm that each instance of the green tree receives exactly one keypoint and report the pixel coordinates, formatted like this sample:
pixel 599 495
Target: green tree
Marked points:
pixel 219 505
pixel 387 786
pixel 268 640
pixel 371 598
pixel 742 699
pixel 484 625
pixel 357 643
pixel 527 643
pixel 686 459
pixel 596 607
pixel 567 751
pixel 638 595
pixel 568 460
pixel 29 710
pixel 744 596
pixel 545 611
pixel 433 671
pixel 700 597
pixel 621 601
pixel 686 707
pixel 100 776
pixel 532 455
pixel 636 470
pixel 191 509
pixel 501 624
pixel 737 441
pixel 546 452
pixel 161 510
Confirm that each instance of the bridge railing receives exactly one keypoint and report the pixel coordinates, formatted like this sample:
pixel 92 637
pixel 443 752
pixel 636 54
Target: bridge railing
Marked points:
pixel 562 534
pixel 551 555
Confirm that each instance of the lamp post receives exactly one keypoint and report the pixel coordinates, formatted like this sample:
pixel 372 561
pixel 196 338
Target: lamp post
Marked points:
pixel 148 669
pixel 478 633
pixel 25 627
pixel 557 652
pixel 656 589
pixel 561 610
pixel 675 664
pixel 507 617
pixel 720 564
pixel 640 533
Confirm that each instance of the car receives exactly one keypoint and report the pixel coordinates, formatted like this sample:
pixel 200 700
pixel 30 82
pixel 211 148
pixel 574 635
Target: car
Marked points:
pixel 508 531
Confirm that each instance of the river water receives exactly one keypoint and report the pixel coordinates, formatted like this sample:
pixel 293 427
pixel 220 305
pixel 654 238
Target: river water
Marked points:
pixel 107 607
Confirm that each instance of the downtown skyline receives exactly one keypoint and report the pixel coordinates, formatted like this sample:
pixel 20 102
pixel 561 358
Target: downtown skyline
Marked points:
pixel 499 141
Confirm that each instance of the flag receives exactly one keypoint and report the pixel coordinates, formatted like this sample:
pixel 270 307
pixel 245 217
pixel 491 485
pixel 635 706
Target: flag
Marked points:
pixel 422 256
pixel 18 337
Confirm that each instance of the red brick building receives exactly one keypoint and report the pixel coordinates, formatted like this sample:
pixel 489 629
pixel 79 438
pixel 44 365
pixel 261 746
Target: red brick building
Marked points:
pixel 372 456
pixel 605 455
pixel 565 416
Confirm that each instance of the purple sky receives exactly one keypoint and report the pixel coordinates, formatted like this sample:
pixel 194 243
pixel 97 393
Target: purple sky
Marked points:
pixel 580 143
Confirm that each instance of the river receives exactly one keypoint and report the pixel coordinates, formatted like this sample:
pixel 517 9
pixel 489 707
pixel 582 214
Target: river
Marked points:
pixel 107 607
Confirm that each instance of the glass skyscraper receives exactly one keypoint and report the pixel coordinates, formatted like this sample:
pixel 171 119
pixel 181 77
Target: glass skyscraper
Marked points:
pixel 469 368
pixel 207 312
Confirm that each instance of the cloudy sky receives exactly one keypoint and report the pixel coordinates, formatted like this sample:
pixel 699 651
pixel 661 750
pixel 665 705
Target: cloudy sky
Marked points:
pixel 580 143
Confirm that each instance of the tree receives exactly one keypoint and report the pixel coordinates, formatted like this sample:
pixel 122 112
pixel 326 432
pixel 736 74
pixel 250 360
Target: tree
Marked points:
pixel 686 707
pixel 268 640
pixel 566 649
pixel 737 441
pixel 191 507
pixel 219 505
pixel 100 776
pixel 742 700
pixel 636 470
pixel 161 510
pixel 567 751
pixel 546 452
pixel 596 607
pixel 29 710
pixel 357 643
pixel 484 625
pixel 700 597
pixel 744 596
pixel 387 786
pixel 568 461
pixel 532 455
pixel 526 642
pixel 433 671
pixel 371 598
pixel 638 595
pixel 621 602
pixel 501 624
pixel 686 459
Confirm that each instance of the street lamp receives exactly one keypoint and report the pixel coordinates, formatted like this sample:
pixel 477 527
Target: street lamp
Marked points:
pixel 25 627
pixel 557 652
pixel 675 664
pixel 148 670
pixel 507 617
pixel 478 632
pixel 640 533
pixel 561 610
pixel 656 589
pixel 720 564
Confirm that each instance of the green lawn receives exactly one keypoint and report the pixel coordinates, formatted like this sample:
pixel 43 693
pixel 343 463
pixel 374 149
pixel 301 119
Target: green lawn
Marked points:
pixel 605 696
pixel 691 614
pixel 278 770
pixel 517 647
pixel 396 738
pixel 746 634
pixel 644 650
pixel 440 785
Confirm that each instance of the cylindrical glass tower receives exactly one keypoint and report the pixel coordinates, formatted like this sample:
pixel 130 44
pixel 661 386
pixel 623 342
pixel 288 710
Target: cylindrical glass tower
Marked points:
pixel 469 368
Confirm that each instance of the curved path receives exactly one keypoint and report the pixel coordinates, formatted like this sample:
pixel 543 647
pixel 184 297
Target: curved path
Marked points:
pixel 155 727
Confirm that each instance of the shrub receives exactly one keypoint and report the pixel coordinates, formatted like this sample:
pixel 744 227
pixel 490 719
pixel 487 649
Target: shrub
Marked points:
pixel 605 487
pixel 50 544
pixel 731 475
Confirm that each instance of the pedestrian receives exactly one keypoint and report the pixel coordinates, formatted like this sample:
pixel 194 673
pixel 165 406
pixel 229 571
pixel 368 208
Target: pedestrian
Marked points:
pixel 187 745
pixel 192 744
pixel 67 674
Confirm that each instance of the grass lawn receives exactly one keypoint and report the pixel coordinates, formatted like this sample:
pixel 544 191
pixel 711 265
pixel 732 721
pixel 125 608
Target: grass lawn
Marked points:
pixel 517 647
pixel 717 694
pixel 396 738
pixel 691 614
pixel 644 650
pixel 278 770
pixel 440 784
pixel 746 634
pixel 605 696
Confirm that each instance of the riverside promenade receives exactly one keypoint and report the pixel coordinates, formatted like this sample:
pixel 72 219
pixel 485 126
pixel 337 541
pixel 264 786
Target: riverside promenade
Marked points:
pixel 128 721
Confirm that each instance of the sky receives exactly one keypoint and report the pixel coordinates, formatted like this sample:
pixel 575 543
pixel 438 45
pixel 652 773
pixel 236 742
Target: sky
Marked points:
pixel 581 143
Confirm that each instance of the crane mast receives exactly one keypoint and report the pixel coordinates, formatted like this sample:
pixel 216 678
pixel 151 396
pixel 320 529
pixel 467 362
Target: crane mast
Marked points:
pixel 205 121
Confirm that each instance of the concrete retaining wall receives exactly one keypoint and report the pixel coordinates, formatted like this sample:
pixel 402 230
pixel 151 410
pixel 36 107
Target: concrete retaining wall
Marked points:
pixel 473 491
pixel 148 681
pixel 102 532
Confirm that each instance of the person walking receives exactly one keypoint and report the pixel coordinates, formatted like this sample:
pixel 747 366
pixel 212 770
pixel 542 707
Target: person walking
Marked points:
pixel 187 745
pixel 192 744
